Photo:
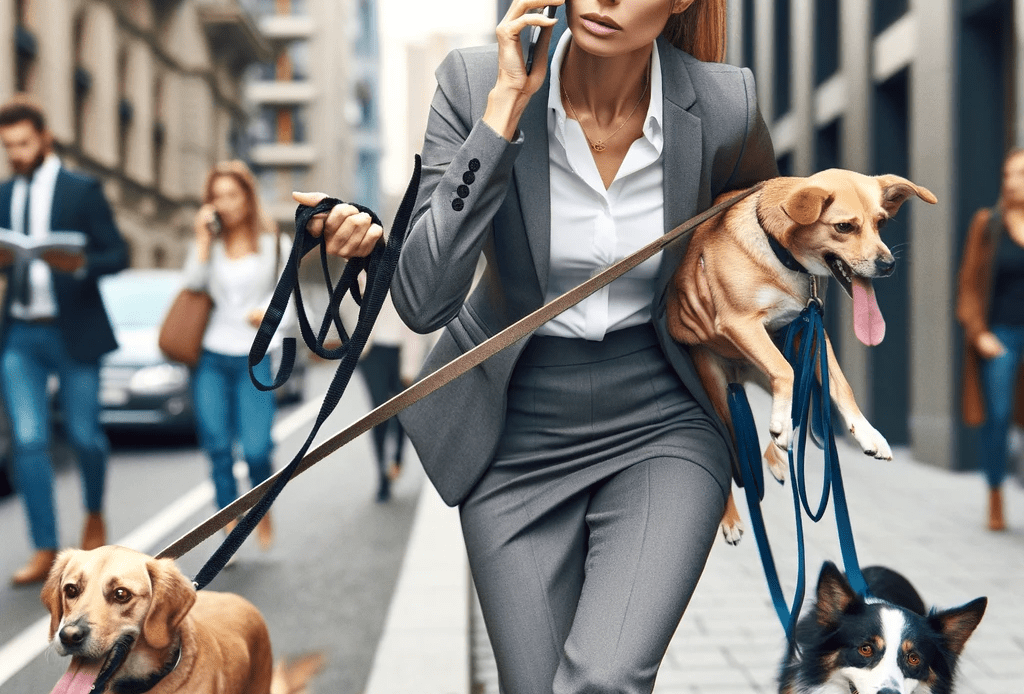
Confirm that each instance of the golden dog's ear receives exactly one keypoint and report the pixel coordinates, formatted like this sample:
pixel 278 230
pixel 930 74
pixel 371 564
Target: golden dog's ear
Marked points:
pixel 896 190
pixel 805 203
pixel 173 597
pixel 51 595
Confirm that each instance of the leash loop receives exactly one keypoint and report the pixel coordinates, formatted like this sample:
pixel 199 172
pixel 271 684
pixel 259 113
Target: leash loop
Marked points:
pixel 804 347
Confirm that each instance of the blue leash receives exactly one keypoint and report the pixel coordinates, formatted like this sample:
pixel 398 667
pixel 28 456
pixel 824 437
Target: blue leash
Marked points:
pixel 812 410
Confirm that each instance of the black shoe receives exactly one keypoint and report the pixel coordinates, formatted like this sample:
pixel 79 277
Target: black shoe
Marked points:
pixel 384 493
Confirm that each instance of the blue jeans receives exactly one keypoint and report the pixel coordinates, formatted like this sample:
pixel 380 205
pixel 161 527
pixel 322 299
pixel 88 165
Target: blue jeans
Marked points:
pixel 229 408
pixel 998 380
pixel 34 351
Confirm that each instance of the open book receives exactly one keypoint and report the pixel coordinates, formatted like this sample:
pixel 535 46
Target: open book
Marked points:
pixel 15 246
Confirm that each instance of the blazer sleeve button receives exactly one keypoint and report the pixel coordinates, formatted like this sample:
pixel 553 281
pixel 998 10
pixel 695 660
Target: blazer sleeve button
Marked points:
pixel 463 191
pixel 458 204
pixel 468 177
pixel 474 164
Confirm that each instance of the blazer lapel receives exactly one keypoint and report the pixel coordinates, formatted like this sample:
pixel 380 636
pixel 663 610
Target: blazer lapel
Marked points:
pixel 533 181
pixel 6 193
pixel 56 209
pixel 682 155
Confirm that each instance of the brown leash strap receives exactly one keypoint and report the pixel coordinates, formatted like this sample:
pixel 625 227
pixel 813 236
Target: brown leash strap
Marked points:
pixel 449 372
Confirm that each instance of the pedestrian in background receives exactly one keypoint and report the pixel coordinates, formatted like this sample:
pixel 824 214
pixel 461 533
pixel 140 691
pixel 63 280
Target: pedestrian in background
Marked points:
pixel 236 258
pixel 54 323
pixel 990 306
pixel 390 361
pixel 589 466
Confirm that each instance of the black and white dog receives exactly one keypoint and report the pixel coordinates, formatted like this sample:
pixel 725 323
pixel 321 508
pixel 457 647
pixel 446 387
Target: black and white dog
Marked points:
pixel 885 644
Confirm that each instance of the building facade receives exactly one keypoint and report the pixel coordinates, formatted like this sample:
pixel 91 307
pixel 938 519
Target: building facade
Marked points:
pixel 315 103
pixel 927 89
pixel 146 94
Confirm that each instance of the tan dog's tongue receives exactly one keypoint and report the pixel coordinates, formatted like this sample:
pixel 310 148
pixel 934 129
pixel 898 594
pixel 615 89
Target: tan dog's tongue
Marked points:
pixel 868 323
pixel 79 677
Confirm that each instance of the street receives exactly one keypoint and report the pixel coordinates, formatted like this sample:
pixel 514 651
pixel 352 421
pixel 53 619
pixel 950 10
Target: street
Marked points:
pixel 324 587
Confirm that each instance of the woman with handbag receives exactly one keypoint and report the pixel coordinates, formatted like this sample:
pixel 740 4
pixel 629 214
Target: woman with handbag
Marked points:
pixel 236 260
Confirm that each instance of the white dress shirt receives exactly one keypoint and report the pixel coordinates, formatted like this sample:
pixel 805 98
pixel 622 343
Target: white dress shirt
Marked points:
pixel 593 227
pixel 43 304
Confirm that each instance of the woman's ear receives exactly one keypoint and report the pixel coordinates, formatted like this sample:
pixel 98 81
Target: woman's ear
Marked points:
pixel 680 6
pixel 173 597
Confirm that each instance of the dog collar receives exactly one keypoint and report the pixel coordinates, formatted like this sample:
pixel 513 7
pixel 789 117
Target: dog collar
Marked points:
pixel 141 685
pixel 784 256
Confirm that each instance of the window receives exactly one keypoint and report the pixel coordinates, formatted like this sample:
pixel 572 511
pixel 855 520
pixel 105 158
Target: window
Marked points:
pixel 749 55
pixel 83 78
pixel 885 13
pixel 26 47
pixel 826 39
pixel 280 124
pixel 781 80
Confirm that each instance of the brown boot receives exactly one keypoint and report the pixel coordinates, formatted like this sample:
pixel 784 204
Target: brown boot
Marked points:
pixel 265 532
pixel 995 509
pixel 94 534
pixel 37 568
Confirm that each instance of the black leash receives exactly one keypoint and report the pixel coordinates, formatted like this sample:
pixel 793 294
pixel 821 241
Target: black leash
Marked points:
pixel 379 267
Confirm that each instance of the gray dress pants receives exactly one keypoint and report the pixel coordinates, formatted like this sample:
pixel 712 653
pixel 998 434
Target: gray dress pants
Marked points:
pixel 588 532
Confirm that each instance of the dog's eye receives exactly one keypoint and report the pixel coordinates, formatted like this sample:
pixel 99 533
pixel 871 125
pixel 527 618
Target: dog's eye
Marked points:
pixel 881 223
pixel 914 659
pixel 866 650
pixel 844 227
pixel 71 591
pixel 122 595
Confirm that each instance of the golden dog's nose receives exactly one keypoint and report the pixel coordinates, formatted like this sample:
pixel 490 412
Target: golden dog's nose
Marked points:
pixel 885 265
pixel 74 634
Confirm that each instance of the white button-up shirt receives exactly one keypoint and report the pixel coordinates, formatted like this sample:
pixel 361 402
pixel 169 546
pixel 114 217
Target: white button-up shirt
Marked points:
pixel 43 303
pixel 593 227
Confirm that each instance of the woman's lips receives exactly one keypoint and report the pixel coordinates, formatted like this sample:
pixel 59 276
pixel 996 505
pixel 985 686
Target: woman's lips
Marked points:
pixel 597 28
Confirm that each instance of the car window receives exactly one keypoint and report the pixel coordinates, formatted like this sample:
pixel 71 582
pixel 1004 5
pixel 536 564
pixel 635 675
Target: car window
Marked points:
pixel 138 300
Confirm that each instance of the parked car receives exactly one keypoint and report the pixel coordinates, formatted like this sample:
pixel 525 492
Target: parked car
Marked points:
pixel 139 388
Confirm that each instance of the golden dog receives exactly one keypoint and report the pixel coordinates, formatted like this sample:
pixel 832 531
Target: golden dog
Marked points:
pixel 183 641
pixel 751 267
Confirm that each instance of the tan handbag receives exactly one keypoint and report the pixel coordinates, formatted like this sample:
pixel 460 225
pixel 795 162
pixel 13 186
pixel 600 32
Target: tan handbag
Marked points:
pixel 181 334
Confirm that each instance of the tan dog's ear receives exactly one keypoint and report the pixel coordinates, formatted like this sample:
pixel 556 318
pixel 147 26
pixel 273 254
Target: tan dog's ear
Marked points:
pixel 173 597
pixel 896 190
pixel 51 595
pixel 805 203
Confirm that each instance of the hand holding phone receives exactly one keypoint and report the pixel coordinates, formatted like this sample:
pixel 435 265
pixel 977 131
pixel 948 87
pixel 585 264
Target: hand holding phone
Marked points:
pixel 534 36
pixel 215 225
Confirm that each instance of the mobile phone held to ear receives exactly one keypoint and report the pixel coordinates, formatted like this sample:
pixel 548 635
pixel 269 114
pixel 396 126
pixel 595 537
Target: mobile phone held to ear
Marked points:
pixel 215 225
pixel 534 35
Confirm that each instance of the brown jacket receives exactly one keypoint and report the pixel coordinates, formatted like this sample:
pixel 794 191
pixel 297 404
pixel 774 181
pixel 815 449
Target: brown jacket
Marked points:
pixel 973 297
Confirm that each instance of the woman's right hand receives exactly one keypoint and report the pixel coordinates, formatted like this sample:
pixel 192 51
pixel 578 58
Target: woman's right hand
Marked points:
pixel 513 88
pixel 349 232
pixel 989 346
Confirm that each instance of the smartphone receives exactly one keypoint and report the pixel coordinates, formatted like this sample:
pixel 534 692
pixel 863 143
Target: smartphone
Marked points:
pixel 215 225
pixel 534 35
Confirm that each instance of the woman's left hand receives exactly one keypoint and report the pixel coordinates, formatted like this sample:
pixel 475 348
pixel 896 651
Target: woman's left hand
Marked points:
pixel 349 232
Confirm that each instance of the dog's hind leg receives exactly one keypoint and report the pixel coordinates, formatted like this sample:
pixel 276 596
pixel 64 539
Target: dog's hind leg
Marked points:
pixel 716 382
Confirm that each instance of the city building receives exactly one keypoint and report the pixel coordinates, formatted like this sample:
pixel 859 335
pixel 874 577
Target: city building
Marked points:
pixel 315 103
pixel 146 94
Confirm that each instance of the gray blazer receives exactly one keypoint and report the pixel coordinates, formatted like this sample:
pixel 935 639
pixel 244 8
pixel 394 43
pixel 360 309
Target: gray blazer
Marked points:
pixel 482 194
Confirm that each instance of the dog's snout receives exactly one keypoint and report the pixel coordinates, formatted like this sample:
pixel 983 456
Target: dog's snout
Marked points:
pixel 884 265
pixel 74 634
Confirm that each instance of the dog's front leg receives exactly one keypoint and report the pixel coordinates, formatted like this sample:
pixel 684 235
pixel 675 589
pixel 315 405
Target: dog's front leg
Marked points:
pixel 751 338
pixel 870 439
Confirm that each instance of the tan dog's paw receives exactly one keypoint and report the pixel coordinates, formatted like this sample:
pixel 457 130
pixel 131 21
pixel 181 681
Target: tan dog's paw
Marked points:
pixel 732 531
pixel 871 441
pixel 781 427
pixel 776 462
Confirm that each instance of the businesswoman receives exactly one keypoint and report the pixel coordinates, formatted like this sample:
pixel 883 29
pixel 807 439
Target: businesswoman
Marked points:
pixel 593 473
pixel 236 258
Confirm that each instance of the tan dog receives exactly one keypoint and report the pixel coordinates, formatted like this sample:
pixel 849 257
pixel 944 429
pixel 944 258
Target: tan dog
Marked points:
pixel 829 224
pixel 202 643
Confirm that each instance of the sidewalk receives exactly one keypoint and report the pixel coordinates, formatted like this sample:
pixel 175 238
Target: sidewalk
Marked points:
pixel 925 522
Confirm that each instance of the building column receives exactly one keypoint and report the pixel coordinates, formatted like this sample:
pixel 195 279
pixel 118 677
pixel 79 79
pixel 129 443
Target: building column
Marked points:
pixel 99 57
pixel 802 80
pixel 933 400
pixel 55 70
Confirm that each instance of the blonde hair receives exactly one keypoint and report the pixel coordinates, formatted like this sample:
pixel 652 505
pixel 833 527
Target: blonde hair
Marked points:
pixel 256 218
pixel 700 30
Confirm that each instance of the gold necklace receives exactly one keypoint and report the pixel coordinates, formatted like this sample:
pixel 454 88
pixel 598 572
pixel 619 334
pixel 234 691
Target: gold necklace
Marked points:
pixel 599 145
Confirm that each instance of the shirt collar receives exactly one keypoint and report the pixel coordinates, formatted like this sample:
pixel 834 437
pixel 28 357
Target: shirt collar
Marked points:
pixel 46 171
pixel 652 124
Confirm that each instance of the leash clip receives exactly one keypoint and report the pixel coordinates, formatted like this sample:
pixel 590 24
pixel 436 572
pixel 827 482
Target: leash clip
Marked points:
pixel 814 298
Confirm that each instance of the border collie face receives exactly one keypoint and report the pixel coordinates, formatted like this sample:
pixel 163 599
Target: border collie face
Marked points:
pixel 878 645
